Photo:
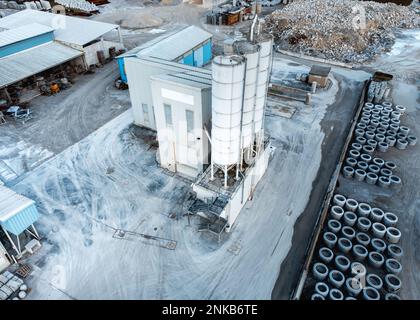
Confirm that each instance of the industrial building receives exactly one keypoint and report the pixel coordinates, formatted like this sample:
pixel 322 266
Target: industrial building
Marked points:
pixel 84 35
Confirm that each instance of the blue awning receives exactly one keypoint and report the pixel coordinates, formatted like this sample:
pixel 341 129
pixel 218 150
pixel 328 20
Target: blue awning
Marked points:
pixel 21 220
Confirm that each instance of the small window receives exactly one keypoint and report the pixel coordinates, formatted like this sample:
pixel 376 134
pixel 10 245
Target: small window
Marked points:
pixel 190 120
pixel 168 114
pixel 145 112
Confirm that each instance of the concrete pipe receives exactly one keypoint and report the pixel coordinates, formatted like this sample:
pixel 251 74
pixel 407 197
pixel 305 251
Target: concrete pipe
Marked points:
pixel 344 245
pixel 361 125
pixel 391 133
pixel 390 165
pixel 339 200
pixel 342 263
pixel 371 127
pixel 392 235
pixel 374 281
pixel 363 224
pixel 348 232
pixel 395 115
pixel 320 271
pixel 374 123
pixel 396 121
pixel 336 278
pixel 336 212
pixel 360 252
pixel 380 131
pixel 395 251
pixel 365 120
pixel 385 114
pixel 317 296
pixel 412 140
pixel 375 112
pixel 376 259
pixel 386 172
pixel 325 255
pixel 395 180
pixel 363 239
pixel 379 162
pixel 350 298
pixel 378 107
pixel 404 130
pixel 372 142
pixel 390 219
pixel 366 114
pixel 400 108
pixel 364 109
pixel 365 157
pixel 363 210
pixel 371 178
pixel 335 294
pixel 376 214
pixel 354 154
pixel 379 137
pixel 351 162
pixel 322 288
pixel 348 172
pixel 369 105
pixel 392 296
pixel 375 116
pixel 387 104
pixel 369 135
pixel 385 119
pixel 356 146
pixel 359 174
pixel 391 141
pixel 359 132
pixel 401 144
pixel 330 239
pixel 362 165
pixel 351 205
pixel 335 226
pixel 353 286
pixel 378 230
pixel 378 245
pixel 383 146
pixel 374 168
pixel 358 270
pixel 394 128
pixel 368 149
pixel 370 293
pixel 393 266
pixel 361 140
pixel 384 182
pixel 401 136
pixel 392 283
pixel 383 124
pixel 350 218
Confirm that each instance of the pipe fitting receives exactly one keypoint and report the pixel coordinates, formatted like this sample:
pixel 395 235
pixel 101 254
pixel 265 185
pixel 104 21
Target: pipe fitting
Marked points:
pixel 395 251
pixel 383 146
pixel 362 165
pixel 339 200
pixel 348 232
pixel 335 294
pixel 351 205
pixel 412 140
pixel 359 174
pixel 376 259
pixel 336 212
pixel 365 157
pixel 322 288
pixel 371 178
pixel 401 144
pixel 378 245
pixel 320 271
pixel 330 239
pixel 374 281
pixel 350 218
pixel 384 182
pixel 363 210
pixel 351 162
pixel 353 286
pixel 360 252
pixel 342 263
pixel 325 255
pixel 393 266
pixel 390 219
pixel 363 239
pixel 370 293
pixel 335 226
pixel 392 283
pixel 378 230
pixel 376 214
pixel 336 278
pixel 344 245
pixel 392 235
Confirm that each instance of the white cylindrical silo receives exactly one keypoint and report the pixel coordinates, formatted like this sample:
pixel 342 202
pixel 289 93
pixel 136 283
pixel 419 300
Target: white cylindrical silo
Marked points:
pixel 251 53
pixel 228 73
pixel 266 44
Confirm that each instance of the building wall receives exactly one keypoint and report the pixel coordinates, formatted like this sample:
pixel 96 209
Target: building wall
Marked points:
pixel 26 44
pixel 180 150
pixel 4 262
pixel 91 51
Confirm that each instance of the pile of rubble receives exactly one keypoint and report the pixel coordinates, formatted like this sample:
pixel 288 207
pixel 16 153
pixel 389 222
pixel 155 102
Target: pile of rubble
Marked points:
pixel 342 30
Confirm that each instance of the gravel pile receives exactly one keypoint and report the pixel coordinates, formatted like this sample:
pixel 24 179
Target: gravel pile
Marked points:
pixel 331 29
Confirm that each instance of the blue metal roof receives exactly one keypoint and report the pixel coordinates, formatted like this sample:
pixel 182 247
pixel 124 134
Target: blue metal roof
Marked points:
pixel 22 220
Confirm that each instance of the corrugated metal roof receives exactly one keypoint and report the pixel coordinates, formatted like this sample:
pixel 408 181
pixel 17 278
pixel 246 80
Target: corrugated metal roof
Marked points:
pixel 21 33
pixel 24 64
pixel 170 65
pixel 188 78
pixel 172 46
pixel 11 203
pixel 67 29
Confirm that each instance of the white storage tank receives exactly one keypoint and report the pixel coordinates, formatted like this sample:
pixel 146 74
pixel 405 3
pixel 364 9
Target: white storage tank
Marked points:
pixel 266 43
pixel 228 73
pixel 251 52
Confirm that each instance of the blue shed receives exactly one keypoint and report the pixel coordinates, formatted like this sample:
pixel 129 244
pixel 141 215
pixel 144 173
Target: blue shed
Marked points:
pixel 192 46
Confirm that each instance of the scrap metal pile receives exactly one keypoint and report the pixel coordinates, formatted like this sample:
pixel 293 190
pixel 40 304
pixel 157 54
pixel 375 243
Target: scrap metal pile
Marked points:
pixel 342 30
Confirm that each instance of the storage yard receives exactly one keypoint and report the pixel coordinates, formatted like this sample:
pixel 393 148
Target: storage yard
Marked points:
pixel 233 167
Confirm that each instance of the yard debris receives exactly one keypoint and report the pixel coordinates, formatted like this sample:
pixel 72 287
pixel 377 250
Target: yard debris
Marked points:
pixel 342 30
